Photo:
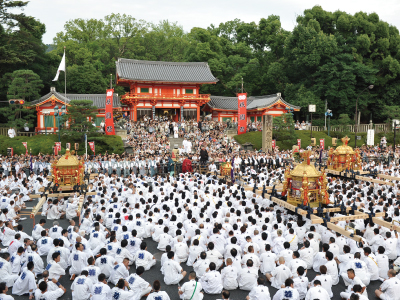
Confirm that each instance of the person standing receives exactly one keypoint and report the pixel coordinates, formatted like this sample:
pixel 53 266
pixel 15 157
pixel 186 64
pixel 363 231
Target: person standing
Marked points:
pixel 203 155
pixel 11 133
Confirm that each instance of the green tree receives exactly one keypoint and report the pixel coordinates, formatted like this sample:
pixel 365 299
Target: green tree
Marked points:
pixel 25 84
pixel 343 121
pixel 79 112
pixel 284 129
pixel 21 45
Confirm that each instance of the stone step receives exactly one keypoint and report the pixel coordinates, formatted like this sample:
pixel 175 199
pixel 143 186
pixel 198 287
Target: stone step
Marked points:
pixel 174 142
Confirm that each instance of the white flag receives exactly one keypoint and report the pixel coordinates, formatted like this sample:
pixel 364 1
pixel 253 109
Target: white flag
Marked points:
pixel 61 67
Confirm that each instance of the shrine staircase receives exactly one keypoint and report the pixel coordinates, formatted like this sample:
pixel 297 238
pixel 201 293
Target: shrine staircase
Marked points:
pixel 174 142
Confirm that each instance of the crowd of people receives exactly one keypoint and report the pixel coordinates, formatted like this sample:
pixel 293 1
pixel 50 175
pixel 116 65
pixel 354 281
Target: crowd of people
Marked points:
pixel 215 236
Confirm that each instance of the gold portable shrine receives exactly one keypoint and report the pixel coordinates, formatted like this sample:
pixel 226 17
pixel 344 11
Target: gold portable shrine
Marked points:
pixel 305 184
pixel 344 157
pixel 68 170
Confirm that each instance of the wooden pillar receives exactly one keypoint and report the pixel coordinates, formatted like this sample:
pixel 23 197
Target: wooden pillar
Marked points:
pixel 198 113
pixel 181 114
pixel 219 116
pixel 267 133
pixel 131 113
pixel 135 113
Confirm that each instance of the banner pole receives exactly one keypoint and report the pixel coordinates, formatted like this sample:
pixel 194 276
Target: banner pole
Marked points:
pixel 65 76
pixel 86 144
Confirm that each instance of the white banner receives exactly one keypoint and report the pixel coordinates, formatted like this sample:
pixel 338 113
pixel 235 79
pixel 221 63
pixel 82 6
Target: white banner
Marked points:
pixel 370 137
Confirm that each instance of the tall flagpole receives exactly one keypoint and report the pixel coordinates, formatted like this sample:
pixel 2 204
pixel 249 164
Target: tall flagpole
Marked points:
pixel 65 76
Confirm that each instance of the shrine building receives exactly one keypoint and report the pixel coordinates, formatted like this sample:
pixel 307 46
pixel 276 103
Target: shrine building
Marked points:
pixel 158 88
pixel 226 108
pixel 163 89
pixel 46 108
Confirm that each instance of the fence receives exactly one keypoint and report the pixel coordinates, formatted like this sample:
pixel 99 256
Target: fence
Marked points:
pixel 350 128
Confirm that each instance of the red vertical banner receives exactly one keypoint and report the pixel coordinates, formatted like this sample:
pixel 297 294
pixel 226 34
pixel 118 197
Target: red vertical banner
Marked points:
pixel 58 145
pixel 299 143
pixel 273 144
pixel 322 143
pixel 26 147
pixel 91 145
pixel 242 113
pixel 109 126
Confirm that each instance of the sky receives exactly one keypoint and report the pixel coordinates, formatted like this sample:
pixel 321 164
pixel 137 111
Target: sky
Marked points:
pixel 188 13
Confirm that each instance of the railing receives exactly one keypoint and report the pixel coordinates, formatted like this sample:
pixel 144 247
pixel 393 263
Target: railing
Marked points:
pixel 4 131
pixel 43 130
pixel 350 128
pixel 26 133
pixel 151 96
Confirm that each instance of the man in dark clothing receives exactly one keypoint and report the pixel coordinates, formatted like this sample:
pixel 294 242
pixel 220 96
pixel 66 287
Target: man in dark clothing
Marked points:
pixel 199 125
pixel 203 155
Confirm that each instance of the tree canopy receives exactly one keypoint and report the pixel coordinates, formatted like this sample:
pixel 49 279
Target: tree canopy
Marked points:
pixel 329 57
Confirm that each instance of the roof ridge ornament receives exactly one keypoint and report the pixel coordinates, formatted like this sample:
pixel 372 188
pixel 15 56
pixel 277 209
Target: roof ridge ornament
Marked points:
pixel 345 140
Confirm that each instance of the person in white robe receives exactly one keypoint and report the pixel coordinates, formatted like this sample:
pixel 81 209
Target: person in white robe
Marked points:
pixel 390 288
pixel 247 277
pixel 77 261
pixel 37 260
pixel 278 276
pixel 120 271
pixel 288 292
pixel 38 228
pixel 105 262
pixel 229 276
pixel 181 250
pixel 3 292
pixel 157 294
pixel 26 282
pixel 137 284
pixel 101 290
pixel 317 292
pixel 144 258
pixel 11 133
pixel 6 273
pixel 43 292
pixel 81 287
pixel 211 281
pixel 260 291
pixel 54 267
pixel 93 270
pixel 191 290
pixel 173 272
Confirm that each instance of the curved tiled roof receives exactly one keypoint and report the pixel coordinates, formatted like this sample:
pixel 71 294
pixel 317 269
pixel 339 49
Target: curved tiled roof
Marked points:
pixel 253 102
pixel 99 100
pixel 48 95
pixel 143 70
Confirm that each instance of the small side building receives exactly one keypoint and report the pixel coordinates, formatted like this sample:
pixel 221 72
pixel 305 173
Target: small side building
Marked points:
pixel 45 108
pixel 226 108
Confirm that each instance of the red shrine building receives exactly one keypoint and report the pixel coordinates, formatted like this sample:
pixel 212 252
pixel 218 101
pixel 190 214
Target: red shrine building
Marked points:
pixel 162 89
pixel 47 106
pixel 158 88
pixel 226 108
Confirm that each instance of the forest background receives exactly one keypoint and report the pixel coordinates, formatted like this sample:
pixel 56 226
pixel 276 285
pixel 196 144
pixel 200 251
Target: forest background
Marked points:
pixel 327 60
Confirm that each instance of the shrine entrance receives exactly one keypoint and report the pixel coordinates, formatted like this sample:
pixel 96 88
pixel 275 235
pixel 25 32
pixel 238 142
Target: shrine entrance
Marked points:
pixel 170 113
